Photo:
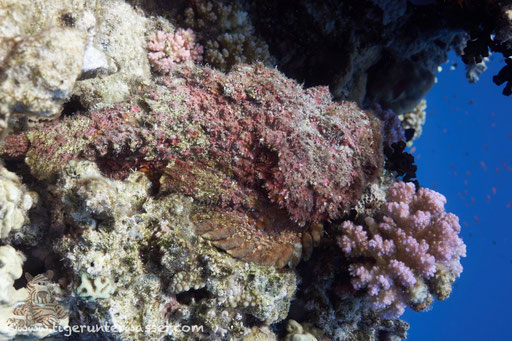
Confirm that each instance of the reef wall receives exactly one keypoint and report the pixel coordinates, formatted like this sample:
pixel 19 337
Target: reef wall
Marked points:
pixel 214 170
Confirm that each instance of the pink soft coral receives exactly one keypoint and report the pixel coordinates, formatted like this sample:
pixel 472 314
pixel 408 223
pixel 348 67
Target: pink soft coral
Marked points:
pixel 414 248
pixel 168 49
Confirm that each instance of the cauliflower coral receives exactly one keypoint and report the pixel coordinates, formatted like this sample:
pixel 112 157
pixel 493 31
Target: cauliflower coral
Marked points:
pixel 168 49
pixel 410 249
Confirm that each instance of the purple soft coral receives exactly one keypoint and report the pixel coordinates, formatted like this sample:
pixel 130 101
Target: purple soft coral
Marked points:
pixel 413 243
pixel 392 130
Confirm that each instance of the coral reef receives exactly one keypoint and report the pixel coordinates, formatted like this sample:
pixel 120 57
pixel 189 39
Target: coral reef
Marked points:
pixel 157 271
pixel 414 245
pixel 117 32
pixel 492 34
pixel 217 198
pixel 375 194
pixel 391 10
pixel 94 289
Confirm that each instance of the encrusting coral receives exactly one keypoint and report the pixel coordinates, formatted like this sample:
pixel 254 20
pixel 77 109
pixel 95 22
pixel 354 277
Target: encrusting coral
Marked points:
pixel 92 52
pixel 296 332
pixel 15 201
pixel 11 263
pixel 94 289
pixel 413 247
pixel 156 270
pixel 248 146
pixel 117 32
pixel 260 334
pixel 38 74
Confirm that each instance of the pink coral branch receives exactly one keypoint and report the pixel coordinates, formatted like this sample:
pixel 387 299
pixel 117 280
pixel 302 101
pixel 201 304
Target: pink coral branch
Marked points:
pixel 412 240
pixel 168 49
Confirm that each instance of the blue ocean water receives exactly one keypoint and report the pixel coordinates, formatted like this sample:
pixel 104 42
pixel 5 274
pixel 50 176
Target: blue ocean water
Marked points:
pixel 465 153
